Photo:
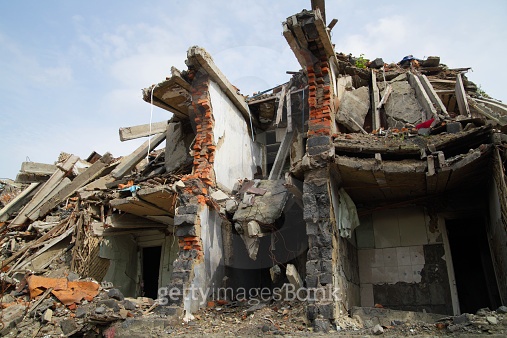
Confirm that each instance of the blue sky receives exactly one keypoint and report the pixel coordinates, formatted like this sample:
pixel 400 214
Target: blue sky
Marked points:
pixel 72 72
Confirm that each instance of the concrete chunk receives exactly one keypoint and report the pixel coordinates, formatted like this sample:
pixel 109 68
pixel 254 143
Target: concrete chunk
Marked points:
pixel 293 276
pixel 48 315
pixel 354 107
pixel 38 168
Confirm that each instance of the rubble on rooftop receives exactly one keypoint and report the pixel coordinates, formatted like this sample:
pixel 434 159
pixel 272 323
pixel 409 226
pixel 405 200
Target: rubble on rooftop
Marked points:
pixel 382 182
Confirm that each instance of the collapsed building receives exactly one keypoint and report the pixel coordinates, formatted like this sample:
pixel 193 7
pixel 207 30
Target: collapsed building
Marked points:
pixel 381 185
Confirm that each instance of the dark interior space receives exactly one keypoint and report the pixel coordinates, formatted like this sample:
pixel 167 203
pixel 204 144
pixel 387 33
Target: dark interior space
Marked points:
pixel 473 268
pixel 151 267
pixel 288 244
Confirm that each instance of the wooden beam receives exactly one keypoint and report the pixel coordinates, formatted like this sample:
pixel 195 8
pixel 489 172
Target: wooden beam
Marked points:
pixel 131 133
pixel 130 161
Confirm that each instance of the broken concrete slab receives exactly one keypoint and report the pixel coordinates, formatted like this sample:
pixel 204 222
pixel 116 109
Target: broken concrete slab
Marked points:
pixel 266 209
pixel 11 316
pixel 354 108
pixel 402 107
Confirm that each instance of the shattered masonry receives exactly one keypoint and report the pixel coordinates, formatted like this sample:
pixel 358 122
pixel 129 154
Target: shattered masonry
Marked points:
pixel 380 187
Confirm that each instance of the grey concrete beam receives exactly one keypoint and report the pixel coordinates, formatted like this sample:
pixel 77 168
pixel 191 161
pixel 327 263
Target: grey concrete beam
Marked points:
pixel 134 132
pixel 16 203
pixel 130 161
pixel 86 176
pixel 422 97
pixel 56 182
pixel 38 168
pixel 198 56
pixel 432 94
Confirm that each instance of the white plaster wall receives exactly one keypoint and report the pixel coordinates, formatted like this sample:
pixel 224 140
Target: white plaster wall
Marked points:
pixel 209 274
pixel 236 154
pixel 124 268
pixel 122 272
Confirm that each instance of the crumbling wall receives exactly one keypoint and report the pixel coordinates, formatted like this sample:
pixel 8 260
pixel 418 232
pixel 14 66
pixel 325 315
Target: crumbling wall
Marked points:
pixel 401 262
pixel 123 267
pixel 497 230
pixel 322 253
pixel 236 154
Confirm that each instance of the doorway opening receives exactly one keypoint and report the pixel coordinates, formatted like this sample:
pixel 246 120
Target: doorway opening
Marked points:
pixel 473 268
pixel 151 267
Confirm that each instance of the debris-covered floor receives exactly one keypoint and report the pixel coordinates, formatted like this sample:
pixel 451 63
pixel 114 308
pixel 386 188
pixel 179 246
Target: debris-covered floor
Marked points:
pixel 380 185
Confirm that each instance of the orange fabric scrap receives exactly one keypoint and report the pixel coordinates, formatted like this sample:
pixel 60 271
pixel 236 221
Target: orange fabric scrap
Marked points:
pixel 67 292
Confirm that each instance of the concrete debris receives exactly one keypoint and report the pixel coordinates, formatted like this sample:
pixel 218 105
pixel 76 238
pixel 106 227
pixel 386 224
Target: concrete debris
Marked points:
pixel 354 107
pixel 377 330
pixel 293 276
pixel 377 63
pixel 376 190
